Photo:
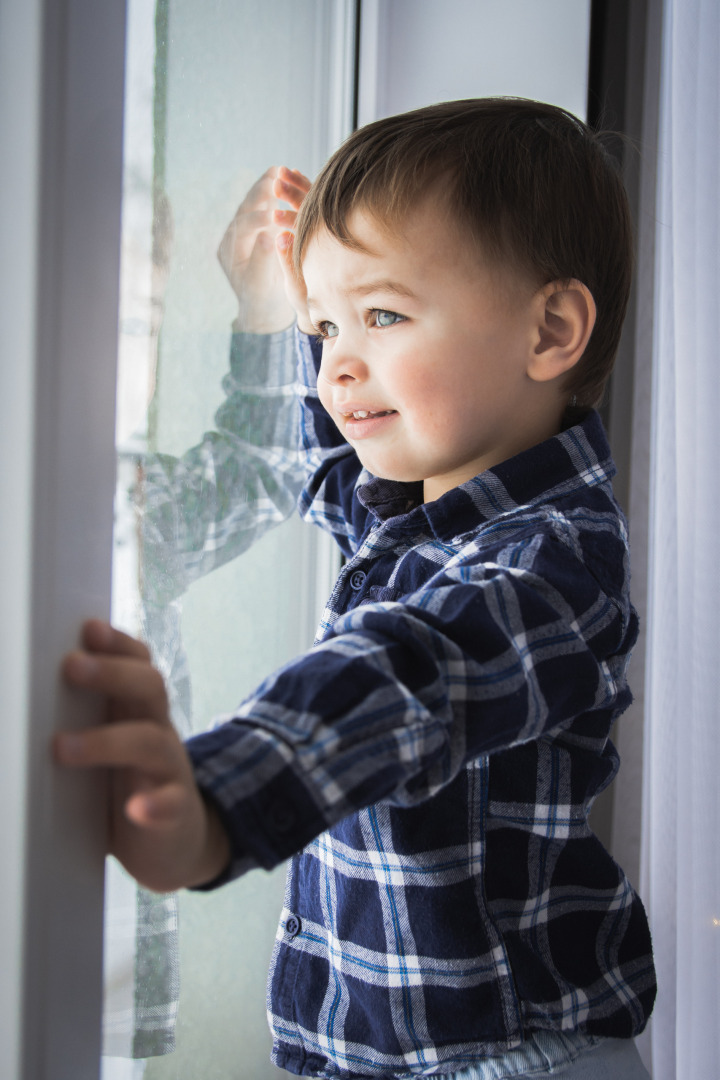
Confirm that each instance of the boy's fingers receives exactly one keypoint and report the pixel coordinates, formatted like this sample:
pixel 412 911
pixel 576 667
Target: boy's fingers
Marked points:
pixel 100 637
pixel 294 285
pixel 291 193
pixel 236 245
pixel 294 176
pixel 291 186
pixel 130 681
pixel 261 191
pixel 273 184
pixel 138 744
pixel 158 809
pixel 285 218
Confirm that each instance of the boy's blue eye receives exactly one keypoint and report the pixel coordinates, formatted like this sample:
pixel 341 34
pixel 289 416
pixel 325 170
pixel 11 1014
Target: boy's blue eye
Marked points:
pixel 387 318
pixel 327 329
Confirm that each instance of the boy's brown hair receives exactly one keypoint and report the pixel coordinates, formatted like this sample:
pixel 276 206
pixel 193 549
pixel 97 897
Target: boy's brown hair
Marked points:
pixel 529 183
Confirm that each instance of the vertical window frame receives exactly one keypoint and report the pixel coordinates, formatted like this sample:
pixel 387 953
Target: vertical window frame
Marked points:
pixel 64 143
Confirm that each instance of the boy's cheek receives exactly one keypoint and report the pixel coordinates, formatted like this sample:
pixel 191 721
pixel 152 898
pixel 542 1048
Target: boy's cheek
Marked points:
pixel 325 396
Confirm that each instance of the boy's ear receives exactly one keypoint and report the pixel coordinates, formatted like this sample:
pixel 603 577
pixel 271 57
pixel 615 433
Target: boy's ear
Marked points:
pixel 566 317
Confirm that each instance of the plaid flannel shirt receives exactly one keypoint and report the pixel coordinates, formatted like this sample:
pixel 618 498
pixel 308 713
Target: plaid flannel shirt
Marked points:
pixel 433 760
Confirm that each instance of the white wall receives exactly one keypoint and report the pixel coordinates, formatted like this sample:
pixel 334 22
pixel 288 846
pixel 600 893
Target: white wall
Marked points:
pixel 415 52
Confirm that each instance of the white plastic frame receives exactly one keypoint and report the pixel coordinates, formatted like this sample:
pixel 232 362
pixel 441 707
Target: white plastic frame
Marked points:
pixel 61 86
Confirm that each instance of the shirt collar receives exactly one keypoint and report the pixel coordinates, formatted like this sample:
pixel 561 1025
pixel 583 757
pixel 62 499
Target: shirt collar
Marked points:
pixel 576 458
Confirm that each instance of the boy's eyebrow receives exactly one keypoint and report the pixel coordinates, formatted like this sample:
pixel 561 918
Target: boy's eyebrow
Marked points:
pixel 380 285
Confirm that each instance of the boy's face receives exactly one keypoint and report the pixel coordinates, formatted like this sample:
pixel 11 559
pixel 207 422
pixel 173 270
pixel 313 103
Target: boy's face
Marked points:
pixel 425 351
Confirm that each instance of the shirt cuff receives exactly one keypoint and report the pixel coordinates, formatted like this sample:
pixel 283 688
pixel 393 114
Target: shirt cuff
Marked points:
pixel 262 360
pixel 268 813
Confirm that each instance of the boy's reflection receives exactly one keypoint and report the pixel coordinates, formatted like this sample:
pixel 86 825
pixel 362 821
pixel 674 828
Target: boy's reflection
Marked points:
pixel 187 516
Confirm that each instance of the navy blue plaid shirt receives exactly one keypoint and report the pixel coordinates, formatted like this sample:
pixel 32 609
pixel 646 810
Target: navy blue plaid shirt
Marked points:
pixel 433 760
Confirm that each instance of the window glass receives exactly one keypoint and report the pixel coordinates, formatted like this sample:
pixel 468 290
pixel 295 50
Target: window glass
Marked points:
pixel 215 93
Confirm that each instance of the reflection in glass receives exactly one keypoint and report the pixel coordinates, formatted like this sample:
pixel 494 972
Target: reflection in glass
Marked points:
pixel 210 104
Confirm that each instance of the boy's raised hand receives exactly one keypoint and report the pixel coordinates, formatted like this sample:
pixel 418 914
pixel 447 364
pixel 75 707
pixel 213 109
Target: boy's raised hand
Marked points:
pixel 247 255
pixel 161 829
pixel 247 251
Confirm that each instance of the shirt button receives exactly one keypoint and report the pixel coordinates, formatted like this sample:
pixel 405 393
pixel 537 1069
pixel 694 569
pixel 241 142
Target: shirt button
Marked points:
pixel 357 580
pixel 292 926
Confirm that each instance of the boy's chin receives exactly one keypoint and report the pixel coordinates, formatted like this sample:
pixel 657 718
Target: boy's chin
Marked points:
pixel 398 476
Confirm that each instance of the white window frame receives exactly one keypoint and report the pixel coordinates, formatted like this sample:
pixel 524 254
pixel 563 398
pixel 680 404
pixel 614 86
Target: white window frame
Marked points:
pixel 61 72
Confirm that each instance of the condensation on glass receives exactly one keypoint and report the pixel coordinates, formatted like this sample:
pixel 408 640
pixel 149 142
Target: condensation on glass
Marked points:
pixel 215 93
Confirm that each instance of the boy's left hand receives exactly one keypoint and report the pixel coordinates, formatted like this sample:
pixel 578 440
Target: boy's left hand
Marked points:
pixel 161 829
pixel 248 256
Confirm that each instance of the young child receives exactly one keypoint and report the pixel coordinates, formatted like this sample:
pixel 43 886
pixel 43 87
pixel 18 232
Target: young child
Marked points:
pixel 430 764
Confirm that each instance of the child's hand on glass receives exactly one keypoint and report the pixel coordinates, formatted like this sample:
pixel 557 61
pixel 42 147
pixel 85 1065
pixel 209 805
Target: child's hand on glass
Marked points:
pixel 161 829
pixel 247 255
pixel 247 251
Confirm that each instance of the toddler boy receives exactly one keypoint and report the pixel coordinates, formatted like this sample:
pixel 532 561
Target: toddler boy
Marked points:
pixel 461 275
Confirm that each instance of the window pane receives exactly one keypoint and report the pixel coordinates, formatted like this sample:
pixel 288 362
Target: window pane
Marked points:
pixel 215 94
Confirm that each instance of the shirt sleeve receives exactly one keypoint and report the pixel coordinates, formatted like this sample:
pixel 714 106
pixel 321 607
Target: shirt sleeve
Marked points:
pixel 198 511
pixel 400 696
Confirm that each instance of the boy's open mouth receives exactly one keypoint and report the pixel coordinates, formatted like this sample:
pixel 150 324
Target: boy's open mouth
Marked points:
pixel 363 414
pixel 365 423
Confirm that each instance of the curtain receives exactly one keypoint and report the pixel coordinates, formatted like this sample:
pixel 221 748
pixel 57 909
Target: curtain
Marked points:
pixel 680 860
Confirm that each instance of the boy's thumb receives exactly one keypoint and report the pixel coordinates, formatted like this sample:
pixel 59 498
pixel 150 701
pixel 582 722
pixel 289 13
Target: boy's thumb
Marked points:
pixel 284 245
pixel 294 285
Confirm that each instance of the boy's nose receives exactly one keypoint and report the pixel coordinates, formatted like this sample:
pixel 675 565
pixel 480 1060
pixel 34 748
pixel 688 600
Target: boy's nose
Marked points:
pixel 342 364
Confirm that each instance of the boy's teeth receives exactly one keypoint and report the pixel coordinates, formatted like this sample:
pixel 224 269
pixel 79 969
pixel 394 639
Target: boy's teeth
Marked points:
pixel 362 414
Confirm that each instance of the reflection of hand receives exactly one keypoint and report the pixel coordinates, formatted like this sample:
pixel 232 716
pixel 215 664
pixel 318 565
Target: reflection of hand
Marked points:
pixel 247 255
pixel 292 187
pixel 161 829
